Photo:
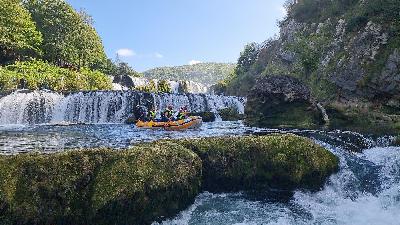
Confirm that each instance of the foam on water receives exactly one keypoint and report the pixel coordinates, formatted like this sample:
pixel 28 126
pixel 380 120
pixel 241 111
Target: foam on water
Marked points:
pixel 40 107
pixel 365 191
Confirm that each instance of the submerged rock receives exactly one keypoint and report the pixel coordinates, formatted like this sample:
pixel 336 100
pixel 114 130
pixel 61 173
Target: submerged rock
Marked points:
pixel 282 101
pixel 136 186
pixel 286 162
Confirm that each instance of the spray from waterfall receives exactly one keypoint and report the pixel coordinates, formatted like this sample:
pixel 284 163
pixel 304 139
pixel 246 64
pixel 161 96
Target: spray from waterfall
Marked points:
pixel 37 107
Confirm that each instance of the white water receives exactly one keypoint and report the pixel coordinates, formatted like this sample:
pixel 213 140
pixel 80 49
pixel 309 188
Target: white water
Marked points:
pixel 366 191
pixel 39 107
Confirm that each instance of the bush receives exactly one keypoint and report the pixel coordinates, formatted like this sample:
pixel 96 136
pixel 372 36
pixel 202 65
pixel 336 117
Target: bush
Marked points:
pixel 36 74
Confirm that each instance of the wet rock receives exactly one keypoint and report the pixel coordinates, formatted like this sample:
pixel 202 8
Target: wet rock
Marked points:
pixel 230 114
pixel 124 80
pixel 282 101
pixel 285 162
pixel 135 186
pixel 206 116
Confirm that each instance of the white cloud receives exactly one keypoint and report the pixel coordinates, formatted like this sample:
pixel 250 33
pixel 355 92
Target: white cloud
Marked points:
pixel 158 55
pixel 194 62
pixel 126 52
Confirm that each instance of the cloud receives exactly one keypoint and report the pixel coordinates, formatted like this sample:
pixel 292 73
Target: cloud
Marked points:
pixel 158 55
pixel 194 62
pixel 126 52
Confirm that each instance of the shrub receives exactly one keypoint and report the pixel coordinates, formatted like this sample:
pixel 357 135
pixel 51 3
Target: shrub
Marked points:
pixel 36 75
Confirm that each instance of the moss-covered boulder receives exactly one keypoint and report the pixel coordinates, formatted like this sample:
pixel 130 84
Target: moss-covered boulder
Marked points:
pixel 206 116
pixel 259 162
pixel 282 101
pixel 230 114
pixel 135 186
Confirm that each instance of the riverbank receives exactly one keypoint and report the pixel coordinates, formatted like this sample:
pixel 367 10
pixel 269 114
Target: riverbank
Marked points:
pixel 152 181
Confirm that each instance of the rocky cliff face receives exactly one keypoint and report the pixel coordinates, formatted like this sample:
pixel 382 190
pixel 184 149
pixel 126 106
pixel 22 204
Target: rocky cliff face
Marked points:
pixel 346 51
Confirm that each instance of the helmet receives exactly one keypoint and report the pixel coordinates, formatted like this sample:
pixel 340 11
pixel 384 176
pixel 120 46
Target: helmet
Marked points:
pixel 170 107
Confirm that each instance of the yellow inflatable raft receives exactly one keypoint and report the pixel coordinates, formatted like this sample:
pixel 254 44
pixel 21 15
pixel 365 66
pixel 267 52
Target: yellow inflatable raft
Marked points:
pixel 190 123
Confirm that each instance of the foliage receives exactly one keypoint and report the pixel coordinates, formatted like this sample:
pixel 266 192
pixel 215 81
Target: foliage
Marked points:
pixel 247 58
pixel 19 38
pixel 123 68
pixel 37 74
pixel 68 36
pixel 164 86
pixel 205 73
pixel 230 114
pixel 258 162
pixel 98 186
pixel 161 86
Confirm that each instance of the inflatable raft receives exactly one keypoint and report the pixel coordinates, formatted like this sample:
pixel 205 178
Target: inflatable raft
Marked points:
pixel 190 123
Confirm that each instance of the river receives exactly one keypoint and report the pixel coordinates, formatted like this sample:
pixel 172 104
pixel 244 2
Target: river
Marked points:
pixel 366 190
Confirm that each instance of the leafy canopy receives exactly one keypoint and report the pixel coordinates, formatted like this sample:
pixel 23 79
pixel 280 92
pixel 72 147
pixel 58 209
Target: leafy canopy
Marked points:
pixel 19 38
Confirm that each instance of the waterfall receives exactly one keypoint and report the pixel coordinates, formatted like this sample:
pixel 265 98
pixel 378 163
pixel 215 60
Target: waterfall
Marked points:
pixel 23 107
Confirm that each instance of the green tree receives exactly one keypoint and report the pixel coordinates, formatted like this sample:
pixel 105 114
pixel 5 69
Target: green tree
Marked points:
pixel 68 36
pixel 123 69
pixel 247 58
pixel 19 38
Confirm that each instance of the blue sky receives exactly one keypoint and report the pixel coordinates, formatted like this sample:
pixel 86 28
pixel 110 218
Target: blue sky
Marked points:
pixel 152 33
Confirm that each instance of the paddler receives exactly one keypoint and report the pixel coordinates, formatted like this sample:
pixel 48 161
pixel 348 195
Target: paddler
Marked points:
pixel 152 114
pixel 167 114
pixel 183 113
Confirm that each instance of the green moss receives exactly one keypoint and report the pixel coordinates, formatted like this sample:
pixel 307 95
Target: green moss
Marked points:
pixel 135 186
pixel 397 140
pixel 274 161
pixel 295 115
pixel 363 118
pixel 230 114
pixel 206 116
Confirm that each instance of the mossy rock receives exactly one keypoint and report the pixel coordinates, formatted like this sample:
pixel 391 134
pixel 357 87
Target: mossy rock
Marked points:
pixel 206 116
pixel 230 114
pixel 130 120
pixel 285 161
pixel 363 119
pixel 136 186
pixel 285 115
pixel 397 141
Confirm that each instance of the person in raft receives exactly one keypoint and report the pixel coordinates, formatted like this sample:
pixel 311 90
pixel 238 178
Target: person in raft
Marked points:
pixel 142 112
pixel 183 113
pixel 153 115
pixel 167 115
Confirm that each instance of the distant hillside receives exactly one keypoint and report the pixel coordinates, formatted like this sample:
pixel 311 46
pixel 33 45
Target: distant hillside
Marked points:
pixel 205 73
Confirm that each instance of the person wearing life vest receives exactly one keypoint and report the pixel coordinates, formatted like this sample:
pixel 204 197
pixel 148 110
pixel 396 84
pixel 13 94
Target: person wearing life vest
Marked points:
pixel 152 114
pixel 183 113
pixel 168 114
pixel 142 112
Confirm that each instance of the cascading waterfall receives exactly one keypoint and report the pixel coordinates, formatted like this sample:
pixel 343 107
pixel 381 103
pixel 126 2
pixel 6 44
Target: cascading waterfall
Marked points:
pixel 23 107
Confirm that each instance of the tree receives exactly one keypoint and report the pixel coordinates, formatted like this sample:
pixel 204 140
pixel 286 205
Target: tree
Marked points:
pixel 247 58
pixel 68 36
pixel 123 69
pixel 19 38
